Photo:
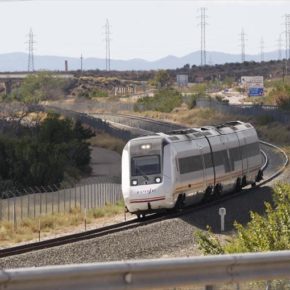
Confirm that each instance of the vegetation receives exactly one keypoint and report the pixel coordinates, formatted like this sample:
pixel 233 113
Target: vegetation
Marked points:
pixel 28 228
pixel 161 79
pixel 107 141
pixel 94 93
pixel 190 100
pixel 263 233
pixel 164 100
pixel 39 87
pixel 43 156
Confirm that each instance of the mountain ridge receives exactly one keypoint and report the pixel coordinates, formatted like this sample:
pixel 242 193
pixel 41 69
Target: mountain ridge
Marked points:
pixel 18 61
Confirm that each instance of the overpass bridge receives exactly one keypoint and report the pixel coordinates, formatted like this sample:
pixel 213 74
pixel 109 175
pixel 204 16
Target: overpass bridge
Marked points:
pixel 7 79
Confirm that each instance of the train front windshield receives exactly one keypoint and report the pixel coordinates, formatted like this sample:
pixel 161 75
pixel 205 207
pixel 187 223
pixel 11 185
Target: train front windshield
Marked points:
pixel 145 165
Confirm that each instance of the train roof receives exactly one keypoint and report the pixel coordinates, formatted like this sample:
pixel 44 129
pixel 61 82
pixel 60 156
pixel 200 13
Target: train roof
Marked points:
pixel 207 131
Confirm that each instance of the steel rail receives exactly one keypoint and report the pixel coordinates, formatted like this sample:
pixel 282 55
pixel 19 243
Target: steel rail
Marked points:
pixel 282 169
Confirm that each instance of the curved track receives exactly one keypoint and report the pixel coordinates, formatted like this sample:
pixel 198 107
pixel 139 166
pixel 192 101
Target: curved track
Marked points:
pixel 275 162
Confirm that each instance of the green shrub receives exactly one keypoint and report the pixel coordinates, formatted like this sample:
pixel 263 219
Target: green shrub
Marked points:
pixel 190 100
pixel 163 101
pixel 97 93
pixel 264 119
pixel 269 232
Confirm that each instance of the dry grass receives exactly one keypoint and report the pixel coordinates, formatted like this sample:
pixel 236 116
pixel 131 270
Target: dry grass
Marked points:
pixel 107 141
pixel 28 228
pixel 193 117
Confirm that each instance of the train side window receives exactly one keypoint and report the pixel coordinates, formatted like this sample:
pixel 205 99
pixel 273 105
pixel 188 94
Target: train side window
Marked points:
pixel 207 160
pixel 221 158
pixel 218 158
pixel 190 164
pixel 235 154
pixel 251 150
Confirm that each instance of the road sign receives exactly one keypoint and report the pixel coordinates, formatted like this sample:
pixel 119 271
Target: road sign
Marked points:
pixel 252 81
pixel 256 92
pixel 222 213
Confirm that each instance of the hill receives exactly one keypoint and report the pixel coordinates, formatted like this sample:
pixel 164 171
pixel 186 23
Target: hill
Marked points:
pixel 18 61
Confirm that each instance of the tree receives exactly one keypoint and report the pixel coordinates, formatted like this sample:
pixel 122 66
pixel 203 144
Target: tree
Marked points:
pixel 164 100
pixel 39 87
pixel 162 78
pixel 57 150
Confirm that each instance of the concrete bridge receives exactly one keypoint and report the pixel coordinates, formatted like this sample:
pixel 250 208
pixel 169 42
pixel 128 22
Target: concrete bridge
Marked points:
pixel 7 79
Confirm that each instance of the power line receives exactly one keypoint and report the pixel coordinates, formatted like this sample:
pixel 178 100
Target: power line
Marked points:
pixel 82 62
pixel 279 47
pixel 262 49
pixel 202 24
pixel 287 36
pixel 108 52
pixel 243 46
pixel 30 65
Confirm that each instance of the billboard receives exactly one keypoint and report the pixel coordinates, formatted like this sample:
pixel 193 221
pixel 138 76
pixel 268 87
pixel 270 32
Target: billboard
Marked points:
pixel 252 81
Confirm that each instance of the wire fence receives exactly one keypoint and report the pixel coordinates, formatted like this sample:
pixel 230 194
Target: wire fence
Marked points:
pixel 94 122
pixel 15 206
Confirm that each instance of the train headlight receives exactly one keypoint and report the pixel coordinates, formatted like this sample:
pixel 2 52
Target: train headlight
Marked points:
pixel 146 146
pixel 134 182
pixel 157 179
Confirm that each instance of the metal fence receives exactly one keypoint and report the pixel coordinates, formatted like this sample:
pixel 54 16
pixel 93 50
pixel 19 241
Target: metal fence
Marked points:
pixel 249 110
pixel 108 107
pixel 233 271
pixel 15 206
pixel 94 122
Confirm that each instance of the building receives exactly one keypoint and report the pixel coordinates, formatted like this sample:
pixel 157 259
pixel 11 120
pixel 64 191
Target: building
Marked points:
pixel 182 80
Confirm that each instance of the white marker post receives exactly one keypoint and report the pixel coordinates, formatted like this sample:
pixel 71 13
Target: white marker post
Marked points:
pixel 222 213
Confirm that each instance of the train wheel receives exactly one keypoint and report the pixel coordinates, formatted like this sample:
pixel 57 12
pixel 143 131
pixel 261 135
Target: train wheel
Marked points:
pixel 180 202
pixel 208 194
pixel 238 185
pixel 259 176
pixel 218 189
pixel 244 181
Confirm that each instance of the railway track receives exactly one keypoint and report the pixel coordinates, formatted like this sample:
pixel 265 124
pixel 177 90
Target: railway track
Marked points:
pixel 275 162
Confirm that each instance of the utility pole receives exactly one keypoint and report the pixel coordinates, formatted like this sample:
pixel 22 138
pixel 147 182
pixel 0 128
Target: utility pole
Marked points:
pixel 287 36
pixel 108 52
pixel 279 47
pixel 202 24
pixel 287 44
pixel 30 66
pixel 82 62
pixel 243 46
pixel 262 49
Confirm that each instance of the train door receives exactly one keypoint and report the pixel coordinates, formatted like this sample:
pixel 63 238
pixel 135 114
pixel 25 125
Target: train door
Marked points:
pixel 217 151
pixel 243 150
pixel 190 170
pixel 208 170
pixel 209 175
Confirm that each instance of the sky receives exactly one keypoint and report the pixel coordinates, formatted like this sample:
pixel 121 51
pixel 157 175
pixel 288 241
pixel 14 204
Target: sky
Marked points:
pixel 148 29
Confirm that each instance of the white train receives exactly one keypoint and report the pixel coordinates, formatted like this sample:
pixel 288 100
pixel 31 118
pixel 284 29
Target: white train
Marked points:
pixel 170 170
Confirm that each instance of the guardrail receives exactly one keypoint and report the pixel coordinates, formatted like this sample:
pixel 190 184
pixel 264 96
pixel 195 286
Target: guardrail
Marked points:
pixel 152 274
